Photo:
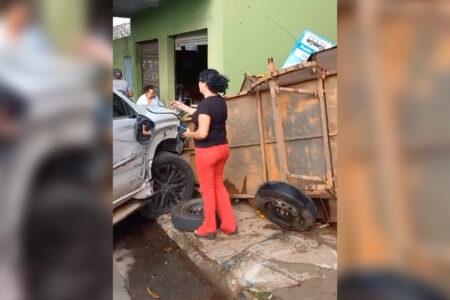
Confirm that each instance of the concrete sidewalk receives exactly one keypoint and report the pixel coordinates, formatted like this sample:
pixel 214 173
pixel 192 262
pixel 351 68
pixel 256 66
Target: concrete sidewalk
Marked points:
pixel 264 261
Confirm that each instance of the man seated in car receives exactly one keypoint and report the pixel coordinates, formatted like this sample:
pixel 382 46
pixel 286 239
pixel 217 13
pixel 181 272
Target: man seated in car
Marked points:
pixel 149 97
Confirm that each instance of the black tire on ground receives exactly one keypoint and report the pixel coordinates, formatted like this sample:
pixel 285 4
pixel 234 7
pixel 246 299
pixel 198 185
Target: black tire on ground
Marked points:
pixel 173 183
pixel 188 215
pixel 286 206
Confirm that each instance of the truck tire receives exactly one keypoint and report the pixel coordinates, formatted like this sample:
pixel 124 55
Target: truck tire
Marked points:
pixel 188 215
pixel 286 206
pixel 173 182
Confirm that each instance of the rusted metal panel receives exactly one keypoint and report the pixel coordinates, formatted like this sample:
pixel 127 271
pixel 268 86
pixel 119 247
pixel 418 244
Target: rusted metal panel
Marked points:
pixel 326 59
pixel 243 114
pixel 333 144
pixel 331 96
pixel 273 167
pixel 288 76
pixel 301 112
pixel 262 138
pixel 278 123
pixel 283 126
pixel 325 132
pixel 269 125
pixel 306 157
pixel 330 90
pixel 189 156
pixel 248 81
pixel 243 170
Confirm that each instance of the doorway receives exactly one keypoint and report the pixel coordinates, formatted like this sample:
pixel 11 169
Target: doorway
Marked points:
pixel 191 57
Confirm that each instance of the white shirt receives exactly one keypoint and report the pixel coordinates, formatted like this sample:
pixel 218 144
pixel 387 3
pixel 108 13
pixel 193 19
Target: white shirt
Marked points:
pixel 142 100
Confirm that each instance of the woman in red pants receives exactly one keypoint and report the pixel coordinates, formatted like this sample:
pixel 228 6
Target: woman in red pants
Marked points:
pixel 211 152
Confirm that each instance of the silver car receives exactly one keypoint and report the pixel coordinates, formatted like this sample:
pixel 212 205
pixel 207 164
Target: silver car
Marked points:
pixel 148 173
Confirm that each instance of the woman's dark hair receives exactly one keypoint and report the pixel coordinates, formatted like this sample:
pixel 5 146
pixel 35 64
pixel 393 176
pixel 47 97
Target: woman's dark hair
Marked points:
pixel 216 82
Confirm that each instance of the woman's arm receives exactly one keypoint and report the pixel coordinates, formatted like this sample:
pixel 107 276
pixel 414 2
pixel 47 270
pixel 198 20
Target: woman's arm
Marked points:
pixel 204 121
pixel 183 107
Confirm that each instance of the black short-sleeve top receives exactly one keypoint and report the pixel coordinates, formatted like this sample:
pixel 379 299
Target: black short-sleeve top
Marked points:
pixel 216 108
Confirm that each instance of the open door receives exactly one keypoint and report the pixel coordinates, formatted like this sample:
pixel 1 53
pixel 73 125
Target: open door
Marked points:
pixel 191 57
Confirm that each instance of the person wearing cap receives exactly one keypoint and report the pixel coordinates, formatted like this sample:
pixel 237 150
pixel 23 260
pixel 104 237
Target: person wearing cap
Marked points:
pixel 120 84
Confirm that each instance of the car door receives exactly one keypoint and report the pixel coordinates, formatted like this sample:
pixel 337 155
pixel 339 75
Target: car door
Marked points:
pixel 129 155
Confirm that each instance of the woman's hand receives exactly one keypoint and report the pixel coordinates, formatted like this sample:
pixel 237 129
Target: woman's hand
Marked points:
pixel 177 105
pixel 187 133
pixel 183 107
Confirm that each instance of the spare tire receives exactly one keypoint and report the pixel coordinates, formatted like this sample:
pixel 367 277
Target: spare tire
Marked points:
pixel 188 215
pixel 286 206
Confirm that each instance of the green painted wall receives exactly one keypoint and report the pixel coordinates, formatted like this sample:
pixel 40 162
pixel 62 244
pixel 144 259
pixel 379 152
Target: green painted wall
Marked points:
pixel 172 18
pixel 122 48
pixel 255 30
pixel 242 34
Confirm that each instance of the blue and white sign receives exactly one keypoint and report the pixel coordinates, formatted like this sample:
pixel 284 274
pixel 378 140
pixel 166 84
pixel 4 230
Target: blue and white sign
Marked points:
pixel 307 44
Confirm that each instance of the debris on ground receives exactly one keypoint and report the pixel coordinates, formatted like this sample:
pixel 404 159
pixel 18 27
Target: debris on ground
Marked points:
pixel 260 214
pixel 153 294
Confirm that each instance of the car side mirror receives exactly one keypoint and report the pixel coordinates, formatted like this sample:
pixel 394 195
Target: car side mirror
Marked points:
pixel 144 130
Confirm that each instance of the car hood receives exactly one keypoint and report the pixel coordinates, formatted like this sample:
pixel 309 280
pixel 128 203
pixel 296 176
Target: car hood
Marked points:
pixel 160 115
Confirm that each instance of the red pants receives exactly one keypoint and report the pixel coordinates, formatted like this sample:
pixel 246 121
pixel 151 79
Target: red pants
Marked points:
pixel 210 163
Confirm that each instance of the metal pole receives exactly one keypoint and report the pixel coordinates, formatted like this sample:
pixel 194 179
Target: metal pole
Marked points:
pixel 261 137
pixel 325 131
pixel 298 91
pixel 307 177
pixel 279 133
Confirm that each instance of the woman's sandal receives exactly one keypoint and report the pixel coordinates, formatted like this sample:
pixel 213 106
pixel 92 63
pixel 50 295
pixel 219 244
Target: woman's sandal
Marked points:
pixel 210 236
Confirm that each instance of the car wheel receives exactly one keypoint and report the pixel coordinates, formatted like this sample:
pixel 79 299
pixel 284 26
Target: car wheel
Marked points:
pixel 286 206
pixel 173 182
pixel 188 215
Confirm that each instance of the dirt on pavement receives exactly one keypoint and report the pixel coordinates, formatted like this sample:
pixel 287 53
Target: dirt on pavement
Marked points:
pixel 152 265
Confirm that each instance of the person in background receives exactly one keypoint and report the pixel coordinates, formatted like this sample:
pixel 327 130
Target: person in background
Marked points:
pixel 149 97
pixel 120 84
pixel 211 153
